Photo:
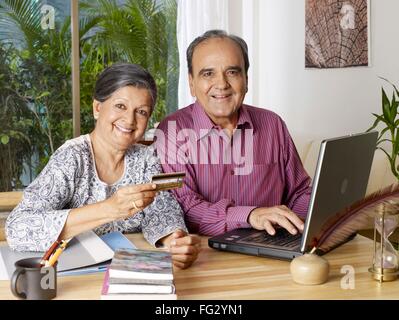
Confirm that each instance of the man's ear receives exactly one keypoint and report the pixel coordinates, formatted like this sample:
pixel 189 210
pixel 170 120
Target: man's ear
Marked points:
pixel 192 87
pixel 96 109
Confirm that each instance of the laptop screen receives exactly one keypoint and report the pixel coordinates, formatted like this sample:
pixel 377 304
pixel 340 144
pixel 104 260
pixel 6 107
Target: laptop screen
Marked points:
pixel 341 178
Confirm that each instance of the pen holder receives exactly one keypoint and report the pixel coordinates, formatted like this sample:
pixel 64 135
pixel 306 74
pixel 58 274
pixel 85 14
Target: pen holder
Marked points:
pixel 31 281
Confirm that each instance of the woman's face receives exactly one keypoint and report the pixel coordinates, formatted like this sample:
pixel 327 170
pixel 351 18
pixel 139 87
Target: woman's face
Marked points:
pixel 122 118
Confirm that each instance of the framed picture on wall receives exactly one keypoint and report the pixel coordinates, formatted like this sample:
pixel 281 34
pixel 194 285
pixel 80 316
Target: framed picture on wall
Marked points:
pixel 336 33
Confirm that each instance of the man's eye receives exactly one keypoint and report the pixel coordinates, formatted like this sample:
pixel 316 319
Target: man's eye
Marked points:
pixel 232 72
pixel 207 74
pixel 120 106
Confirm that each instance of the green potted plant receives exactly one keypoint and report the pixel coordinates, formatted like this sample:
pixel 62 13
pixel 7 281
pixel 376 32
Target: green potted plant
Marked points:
pixel 388 121
pixel 387 124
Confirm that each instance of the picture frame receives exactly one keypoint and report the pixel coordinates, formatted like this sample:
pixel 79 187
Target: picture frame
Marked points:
pixel 337 33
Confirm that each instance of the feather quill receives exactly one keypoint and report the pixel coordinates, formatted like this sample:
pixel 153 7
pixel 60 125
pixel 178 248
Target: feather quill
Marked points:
pixel 358 216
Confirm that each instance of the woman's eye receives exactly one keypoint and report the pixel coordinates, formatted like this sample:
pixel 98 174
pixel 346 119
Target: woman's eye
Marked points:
pixel 142 112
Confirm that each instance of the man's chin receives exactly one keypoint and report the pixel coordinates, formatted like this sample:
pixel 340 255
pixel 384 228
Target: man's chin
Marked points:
pixel 224 113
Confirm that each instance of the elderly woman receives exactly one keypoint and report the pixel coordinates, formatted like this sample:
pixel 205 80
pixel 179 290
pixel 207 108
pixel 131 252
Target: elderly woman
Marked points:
pixel 100 181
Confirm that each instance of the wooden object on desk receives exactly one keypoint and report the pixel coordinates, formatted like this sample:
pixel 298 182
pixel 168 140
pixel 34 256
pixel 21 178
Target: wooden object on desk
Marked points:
pixel 222 275
pixel 9 200
pixel 310 269
pixel 3 218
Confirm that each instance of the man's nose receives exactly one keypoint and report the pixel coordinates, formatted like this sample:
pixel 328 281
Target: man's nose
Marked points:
pixel 221 81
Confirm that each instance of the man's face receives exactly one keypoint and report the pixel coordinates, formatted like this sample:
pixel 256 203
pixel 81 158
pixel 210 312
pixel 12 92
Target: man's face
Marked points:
pixel 218 79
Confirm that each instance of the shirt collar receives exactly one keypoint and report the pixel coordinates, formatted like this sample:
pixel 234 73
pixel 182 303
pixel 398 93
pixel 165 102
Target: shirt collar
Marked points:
pixel 244 119
pixel 202 121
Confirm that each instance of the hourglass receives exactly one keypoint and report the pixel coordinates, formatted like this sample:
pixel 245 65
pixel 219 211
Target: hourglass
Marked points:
pixel 385 261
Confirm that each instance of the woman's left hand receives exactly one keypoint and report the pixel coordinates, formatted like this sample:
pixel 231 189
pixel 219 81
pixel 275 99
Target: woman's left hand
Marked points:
pixel 183 247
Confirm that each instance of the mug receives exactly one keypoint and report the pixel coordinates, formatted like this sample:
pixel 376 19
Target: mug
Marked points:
pixel 32 281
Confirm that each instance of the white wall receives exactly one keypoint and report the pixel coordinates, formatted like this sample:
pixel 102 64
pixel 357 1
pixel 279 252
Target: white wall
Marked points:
pixel 315 104
pixel 321 103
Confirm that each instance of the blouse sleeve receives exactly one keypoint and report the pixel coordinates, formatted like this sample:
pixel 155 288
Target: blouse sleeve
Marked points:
pixel 39 218
pixel 164 215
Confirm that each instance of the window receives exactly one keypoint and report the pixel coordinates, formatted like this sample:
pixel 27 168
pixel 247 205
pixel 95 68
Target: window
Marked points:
pixel 35 70
pixel 35 98
pixel 137 31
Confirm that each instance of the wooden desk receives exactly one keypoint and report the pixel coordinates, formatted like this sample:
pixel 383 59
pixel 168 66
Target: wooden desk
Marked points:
pixel 221 275
pixel 9 200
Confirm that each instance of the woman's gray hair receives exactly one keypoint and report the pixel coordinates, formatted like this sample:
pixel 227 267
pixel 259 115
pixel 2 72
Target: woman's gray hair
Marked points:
pixel 120 75
pixel 216 34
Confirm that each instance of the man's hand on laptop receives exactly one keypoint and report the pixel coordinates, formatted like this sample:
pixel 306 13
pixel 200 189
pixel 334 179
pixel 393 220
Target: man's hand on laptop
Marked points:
pixel 265 218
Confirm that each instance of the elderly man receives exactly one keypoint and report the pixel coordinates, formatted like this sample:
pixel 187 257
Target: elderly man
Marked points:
pixel 242 168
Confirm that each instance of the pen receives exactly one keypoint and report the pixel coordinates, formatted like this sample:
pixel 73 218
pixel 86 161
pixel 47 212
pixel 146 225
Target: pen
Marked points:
pixel 49 252
pixel 57 253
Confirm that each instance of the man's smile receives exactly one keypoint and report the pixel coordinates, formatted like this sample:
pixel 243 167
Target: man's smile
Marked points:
pixel 221 97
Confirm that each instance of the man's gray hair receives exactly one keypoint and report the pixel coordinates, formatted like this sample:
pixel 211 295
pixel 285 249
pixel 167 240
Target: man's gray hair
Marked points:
pixel 216 34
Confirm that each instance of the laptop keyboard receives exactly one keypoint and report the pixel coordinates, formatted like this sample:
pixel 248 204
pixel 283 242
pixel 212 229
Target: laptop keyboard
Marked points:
pixel 282 238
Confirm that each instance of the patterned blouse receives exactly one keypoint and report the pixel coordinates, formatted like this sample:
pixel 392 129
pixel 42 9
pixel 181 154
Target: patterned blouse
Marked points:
pixel 70 180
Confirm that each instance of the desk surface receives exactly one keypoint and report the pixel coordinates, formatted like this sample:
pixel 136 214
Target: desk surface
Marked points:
pixel 221 275
pixel 9 200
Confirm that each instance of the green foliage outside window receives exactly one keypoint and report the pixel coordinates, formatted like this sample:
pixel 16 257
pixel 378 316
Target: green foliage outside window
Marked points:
pixel 35 71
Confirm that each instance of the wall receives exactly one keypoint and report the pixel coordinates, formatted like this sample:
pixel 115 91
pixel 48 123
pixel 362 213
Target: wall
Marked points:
pixel 321 103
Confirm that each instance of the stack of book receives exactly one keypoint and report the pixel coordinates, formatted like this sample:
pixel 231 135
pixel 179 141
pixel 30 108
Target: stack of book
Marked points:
pixel 139 275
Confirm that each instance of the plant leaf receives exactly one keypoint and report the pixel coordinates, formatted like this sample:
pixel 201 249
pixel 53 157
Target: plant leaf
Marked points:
pixel 43 94
pixel 396 89
pixel 382 119
pixel 384 140
pixel 394 106
pixel 376 122
pixel 386 153
pixel 5 139
pixel 383 131
pixel 386 107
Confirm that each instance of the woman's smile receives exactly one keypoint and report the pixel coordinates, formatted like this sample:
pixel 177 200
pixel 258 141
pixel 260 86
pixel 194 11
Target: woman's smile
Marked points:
pixel 123 128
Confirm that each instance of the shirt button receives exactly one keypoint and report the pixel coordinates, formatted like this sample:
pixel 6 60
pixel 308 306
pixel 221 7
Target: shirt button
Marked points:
pixel 238 225
pixel 233 202
pixel 232 172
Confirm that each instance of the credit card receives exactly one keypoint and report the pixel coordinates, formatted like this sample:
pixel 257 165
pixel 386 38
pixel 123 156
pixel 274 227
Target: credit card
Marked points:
pixel 168 181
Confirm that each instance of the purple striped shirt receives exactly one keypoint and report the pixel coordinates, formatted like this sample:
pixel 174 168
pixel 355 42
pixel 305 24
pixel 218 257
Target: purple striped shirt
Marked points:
pixel 214 197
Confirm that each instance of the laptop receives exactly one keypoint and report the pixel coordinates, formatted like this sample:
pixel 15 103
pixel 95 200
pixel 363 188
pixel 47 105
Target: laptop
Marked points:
pixel 341 178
